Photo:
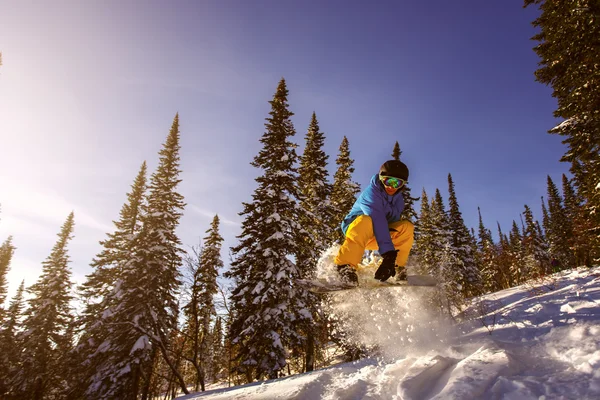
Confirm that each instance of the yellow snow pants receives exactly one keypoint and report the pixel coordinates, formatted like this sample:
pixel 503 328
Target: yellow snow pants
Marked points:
pixel 360 237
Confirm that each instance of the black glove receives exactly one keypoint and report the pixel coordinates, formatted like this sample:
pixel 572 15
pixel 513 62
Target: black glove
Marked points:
pixel 387 268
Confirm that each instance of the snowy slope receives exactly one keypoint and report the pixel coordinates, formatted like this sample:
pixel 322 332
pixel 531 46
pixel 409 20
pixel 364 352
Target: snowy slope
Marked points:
pixel 530 342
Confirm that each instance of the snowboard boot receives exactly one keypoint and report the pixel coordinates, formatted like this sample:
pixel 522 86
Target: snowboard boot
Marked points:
pixel 347 275
pixel 401 273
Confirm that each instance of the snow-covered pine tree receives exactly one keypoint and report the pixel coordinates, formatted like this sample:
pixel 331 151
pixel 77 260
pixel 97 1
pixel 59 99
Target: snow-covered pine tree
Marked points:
pixel 315 191
pixel 219 356
pixel 545 215
pixel 471 282
pixel 200 310
pixel 486 257
pixel 267 306
pixel 409 212
pixel 424 248
pixel 446 256
pixel 537 259
pixel 46 323
pixel 516 255
pixel 579 224
pixel 426 253
pixel 10 342
pixel 116 251
pixel 343 192
pixel 95 291
pixel 570 63
pixel 558 229
pixel 144 306
pixel 396 153
pixel 503 260
pixel 6 252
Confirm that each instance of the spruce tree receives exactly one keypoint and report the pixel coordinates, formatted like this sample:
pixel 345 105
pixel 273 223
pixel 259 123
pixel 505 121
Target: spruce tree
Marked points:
pixel 580 240
pixel 409 212
pixel 116 251
pixel 570 63
pixel 200 311
pixel 471 281
pixel 487 258
pixel 46 323
pixel 6 252
pixel 143 305
pixel 503 260
pixel 516 255
pixel 447 258
pixel 316 219
pixel 558 230
pixel 315 192
pixel 396 153
pixel 545 216
pixel 10 342
pixel 95 292
pixel 537 260
pixel 268 308
pixel 343 192
pixel 423 248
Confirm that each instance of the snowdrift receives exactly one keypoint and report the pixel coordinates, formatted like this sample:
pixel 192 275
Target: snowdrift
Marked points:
pixel 536 341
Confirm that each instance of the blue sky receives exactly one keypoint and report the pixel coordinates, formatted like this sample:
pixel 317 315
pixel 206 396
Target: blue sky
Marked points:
pixel 88 91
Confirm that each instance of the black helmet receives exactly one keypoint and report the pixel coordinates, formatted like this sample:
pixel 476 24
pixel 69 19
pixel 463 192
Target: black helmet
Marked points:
pixel 394 168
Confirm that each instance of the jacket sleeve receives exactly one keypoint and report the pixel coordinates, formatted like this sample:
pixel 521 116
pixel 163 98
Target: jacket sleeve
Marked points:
pixel 371 204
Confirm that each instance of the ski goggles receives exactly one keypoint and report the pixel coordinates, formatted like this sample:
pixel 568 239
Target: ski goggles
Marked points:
pixel 393 182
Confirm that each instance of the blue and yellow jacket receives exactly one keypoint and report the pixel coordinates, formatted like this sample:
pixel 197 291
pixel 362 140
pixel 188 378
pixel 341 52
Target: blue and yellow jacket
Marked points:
pixel 381 207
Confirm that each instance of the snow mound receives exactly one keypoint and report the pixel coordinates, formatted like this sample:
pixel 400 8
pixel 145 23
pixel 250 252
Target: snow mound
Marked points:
pixel 528 343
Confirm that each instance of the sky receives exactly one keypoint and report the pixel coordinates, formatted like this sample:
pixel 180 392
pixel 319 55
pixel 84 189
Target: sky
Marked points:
pixel 517 346
pixel 89 90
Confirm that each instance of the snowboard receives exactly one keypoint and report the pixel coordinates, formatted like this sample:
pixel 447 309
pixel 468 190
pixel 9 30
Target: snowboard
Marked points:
pixel 322 286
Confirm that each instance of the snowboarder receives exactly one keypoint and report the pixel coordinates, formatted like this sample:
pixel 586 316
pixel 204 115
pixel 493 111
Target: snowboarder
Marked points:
pixel 374 224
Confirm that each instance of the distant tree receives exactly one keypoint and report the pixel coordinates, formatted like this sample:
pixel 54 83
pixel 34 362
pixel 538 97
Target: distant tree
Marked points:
pixel 6 252
pixel 516 256
pixel 46 324
pixel 580 241
pixel 503 260
pixel 570 63
pixel 267 306
pixel 10 343
pixel 144 305
pixel 537 260
pixel 396 153
pixel 558 229
pixel 200 309
pixel 545 216
pixel 423 247
pixel 487 258
pixel 315 192
pixel 409 212
pixel 344 190
pixel 450 268
pixel 470 276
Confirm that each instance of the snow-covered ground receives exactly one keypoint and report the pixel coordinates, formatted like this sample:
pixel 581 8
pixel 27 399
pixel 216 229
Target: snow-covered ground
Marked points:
pixel 530 342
